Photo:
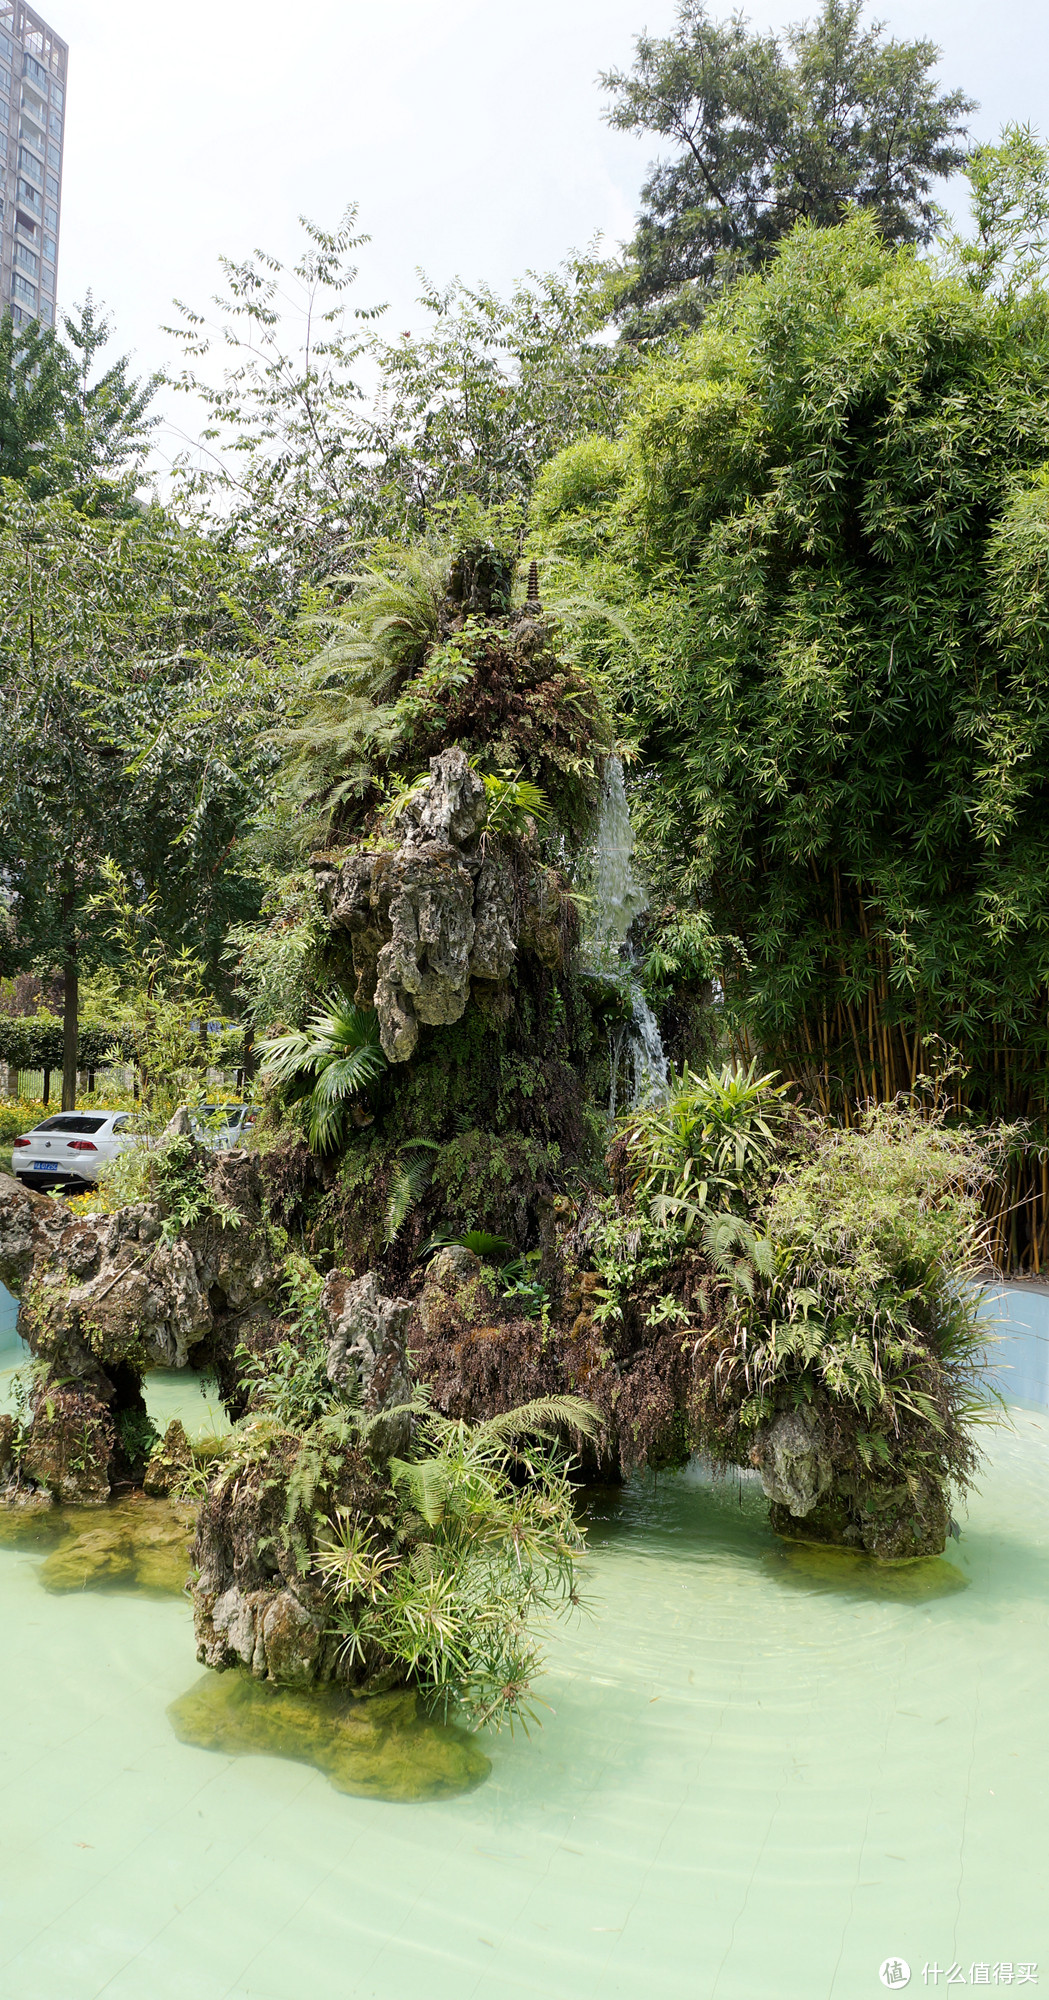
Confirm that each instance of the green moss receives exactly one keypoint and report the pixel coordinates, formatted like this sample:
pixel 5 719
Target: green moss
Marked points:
pixel 808 1565
pixel 379 1746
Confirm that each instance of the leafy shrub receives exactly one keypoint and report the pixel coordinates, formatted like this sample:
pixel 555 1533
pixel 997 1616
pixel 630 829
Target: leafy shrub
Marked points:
pixel 18 1115
pixel 857 1308
pixel 707 1144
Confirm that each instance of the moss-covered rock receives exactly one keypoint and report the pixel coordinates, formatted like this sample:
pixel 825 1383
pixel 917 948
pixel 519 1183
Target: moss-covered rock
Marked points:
pixel 896 1521
pixel 69 1446
pixel 380 1747
pixel 7 1444
pixel 170 1463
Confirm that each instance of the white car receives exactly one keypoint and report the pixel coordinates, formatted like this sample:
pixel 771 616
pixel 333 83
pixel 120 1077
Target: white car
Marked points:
pixel 69 1149
pixel 223 1126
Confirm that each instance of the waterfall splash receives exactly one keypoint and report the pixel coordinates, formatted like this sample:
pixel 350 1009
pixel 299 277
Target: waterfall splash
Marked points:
pixel 616 898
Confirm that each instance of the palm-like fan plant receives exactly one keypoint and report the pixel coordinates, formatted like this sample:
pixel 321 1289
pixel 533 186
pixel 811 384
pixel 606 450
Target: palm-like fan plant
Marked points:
pixel 332 1061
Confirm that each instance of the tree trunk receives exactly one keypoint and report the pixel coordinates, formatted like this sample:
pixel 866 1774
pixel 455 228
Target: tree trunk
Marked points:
pixel 70 1033
pixel 46 1089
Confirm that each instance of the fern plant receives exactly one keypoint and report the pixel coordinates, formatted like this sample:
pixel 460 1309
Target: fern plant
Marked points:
pixel 331 1062
pixel 512 802
pixel 410 1180
pixel 345 722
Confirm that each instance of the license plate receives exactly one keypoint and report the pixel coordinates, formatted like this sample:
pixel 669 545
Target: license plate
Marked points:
pixel 45 1166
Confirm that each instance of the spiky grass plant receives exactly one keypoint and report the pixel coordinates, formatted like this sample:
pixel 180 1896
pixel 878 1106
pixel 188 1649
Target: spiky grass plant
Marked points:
pixel 489 1547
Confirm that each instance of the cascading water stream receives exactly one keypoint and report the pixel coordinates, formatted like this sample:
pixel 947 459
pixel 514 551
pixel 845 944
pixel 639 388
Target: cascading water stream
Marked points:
pixel 616 898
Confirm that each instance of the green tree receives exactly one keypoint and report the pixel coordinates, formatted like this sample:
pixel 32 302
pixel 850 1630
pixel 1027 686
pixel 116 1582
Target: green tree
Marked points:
pixel 65 426
pixel 833 523
pixel 768 133
pixel 308 461
pixel 132 692
pixel 31 387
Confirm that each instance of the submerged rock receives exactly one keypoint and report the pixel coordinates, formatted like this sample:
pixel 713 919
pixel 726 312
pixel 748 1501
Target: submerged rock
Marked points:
pixel 893 1523
pixel 133 1544
pixel 815 1565
pixel 379 1746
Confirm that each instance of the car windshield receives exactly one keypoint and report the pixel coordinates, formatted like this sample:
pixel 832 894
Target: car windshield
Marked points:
pixel 70 1122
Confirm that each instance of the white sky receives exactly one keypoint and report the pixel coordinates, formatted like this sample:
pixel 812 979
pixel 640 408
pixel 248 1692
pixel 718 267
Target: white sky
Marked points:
pixel 469 131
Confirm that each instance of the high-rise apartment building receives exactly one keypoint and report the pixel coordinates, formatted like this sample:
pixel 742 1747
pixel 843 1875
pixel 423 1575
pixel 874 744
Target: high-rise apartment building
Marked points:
pixel 33 63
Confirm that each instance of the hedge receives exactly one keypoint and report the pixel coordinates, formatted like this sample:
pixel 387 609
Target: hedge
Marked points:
pixel 34 1041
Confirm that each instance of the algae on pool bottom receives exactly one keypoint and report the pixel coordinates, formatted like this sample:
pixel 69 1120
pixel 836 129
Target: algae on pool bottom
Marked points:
pixel 760 1774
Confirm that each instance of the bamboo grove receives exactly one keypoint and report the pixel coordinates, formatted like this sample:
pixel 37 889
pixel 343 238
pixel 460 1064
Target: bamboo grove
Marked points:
pixel 827 519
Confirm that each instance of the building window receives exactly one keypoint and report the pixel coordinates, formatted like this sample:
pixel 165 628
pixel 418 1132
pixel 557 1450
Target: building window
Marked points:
pixel 24 290
pixel 49 248
pixel 52 187
pixel 3 145
pixel 54 156
pixel 30 67
pixel 34 108
pixel 7 48
pixel 46 311
pixel 5 84
pixel 29 196
pixel 51 216
pixel 56 123
pixel 27 258
pixel 23 222
pixel 57 95
pixel 30 164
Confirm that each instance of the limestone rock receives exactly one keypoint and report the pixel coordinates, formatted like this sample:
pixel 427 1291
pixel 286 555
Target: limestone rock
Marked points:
pixel 7 1444
pixel 365 1325
pixel 271 1632
pixel 493 950
pixel 291 1641
pixel 423 973
pixel 105 1293
pixel 103 1298
pixel 432 915
pixel 453 806
pixel 890 1523
pixel 795 1470
pixel 171 1460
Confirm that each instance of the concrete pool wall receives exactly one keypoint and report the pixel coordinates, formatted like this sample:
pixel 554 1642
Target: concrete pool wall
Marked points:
pixel 1018 1359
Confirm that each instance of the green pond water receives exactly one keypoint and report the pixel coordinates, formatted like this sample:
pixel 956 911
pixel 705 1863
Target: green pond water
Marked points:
pixel 761 1772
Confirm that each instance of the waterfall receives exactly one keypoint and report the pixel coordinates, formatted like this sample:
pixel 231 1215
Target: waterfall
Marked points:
pixel 616 898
